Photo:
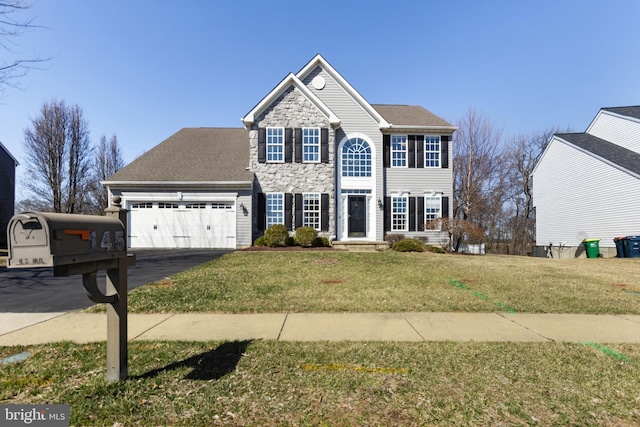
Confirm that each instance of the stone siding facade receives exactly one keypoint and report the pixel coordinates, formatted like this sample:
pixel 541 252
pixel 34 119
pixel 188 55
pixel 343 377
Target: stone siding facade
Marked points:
pixel 294 110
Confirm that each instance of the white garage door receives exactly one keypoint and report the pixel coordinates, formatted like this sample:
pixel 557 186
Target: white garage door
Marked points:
pixel 182 225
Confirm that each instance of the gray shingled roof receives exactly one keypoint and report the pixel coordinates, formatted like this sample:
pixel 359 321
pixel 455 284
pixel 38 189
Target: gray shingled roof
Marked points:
pixel 409 115
pixel 193 154
pixel 623 157
pixel 632 111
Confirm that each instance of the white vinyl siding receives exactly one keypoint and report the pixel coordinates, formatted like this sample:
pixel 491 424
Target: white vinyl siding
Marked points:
pixel 622 131
pixel 582 198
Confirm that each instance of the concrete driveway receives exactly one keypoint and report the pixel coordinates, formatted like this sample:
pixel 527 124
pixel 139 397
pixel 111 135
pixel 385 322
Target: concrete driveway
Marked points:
pixel 36 290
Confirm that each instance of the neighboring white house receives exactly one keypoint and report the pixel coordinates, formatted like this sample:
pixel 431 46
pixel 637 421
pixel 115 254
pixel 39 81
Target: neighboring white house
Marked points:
pixel 312 152
pixel 587 185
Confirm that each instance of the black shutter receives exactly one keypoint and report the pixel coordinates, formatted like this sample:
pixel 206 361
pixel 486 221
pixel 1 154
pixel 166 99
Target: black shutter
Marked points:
pixel 445 207
pixel 444 151
pixel 420 151
pixel 288 201
pixel 262 145
pixel 298 210
pixel 411 151
pixel 412 214
pixel 298 145
pixel 324 212
pixel 387 214
pixel 420 213
pixel 288 145
pixel 324 145
pixel 262 211
pixel 386 144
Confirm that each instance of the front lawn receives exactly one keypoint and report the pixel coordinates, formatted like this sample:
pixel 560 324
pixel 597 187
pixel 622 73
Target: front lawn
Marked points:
pixel 339 384
pixel 332 281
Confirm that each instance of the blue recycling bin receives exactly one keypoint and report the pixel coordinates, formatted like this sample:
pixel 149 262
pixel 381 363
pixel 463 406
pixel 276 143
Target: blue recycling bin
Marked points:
pixel 631 246
pixel 619 241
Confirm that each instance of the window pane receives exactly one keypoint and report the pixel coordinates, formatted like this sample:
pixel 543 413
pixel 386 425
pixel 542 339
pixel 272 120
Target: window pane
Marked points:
pixel 432 208
pixel 275 208
pixel 398 213
pixel 431 151
pixel 310 144
pixel 311 210
pixel 275 144
pixel 398 150
pixel 356 158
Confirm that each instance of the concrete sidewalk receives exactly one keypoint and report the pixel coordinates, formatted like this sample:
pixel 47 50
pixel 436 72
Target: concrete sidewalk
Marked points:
pixel 38 328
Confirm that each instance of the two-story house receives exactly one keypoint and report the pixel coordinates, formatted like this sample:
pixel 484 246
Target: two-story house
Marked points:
pixel 313 152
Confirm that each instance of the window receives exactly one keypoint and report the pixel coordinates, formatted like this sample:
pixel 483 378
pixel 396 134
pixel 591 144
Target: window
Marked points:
pixel 356 158
pixel 311 210
pixel 399 151
pixel 275 208
pixel 168 205
pixel 399 208
pixel 431 151
pixel 141 205
pixel 310 145
pixel 196 205
pixel 221 205
pixel 432 208
pixel 275 145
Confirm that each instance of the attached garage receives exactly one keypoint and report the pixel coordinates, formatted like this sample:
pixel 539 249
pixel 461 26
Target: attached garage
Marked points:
pixel 182 225
pixel 194 190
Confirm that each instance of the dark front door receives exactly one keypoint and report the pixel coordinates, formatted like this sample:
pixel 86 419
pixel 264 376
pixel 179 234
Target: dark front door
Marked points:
pixel 357 216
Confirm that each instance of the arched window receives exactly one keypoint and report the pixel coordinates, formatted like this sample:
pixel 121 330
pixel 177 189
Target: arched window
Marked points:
pixel 356 158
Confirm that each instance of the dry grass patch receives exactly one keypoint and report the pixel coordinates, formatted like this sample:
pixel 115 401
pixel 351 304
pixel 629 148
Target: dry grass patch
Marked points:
pixel 325 281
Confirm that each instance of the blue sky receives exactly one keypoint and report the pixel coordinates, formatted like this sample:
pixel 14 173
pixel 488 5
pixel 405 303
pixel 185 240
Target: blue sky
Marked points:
pixel 143 69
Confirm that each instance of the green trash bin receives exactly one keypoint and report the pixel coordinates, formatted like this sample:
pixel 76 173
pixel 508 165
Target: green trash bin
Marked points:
pixel 592 246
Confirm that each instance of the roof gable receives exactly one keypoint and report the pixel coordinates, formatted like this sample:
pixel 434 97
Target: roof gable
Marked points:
pixel 210 155
pixel 282 87
pixel 632 111
pixel 319 61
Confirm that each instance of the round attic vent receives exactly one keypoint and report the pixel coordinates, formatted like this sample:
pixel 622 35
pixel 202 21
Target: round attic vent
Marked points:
pixel 318 82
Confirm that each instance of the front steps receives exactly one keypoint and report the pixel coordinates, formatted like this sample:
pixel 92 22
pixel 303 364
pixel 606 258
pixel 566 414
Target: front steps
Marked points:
pixel 360 245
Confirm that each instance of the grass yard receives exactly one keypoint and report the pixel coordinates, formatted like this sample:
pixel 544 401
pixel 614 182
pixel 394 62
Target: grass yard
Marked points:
pixel 337 384
pixel 327 281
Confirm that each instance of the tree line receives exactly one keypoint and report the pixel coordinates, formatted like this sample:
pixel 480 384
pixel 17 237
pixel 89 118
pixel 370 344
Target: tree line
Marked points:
pixel 492 188
pixel 64 166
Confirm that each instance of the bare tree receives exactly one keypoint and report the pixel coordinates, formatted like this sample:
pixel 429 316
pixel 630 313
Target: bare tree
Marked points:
pixel 107 161
pixel 479 175
pixel 57 149
pixel 523 154
pixel 13 66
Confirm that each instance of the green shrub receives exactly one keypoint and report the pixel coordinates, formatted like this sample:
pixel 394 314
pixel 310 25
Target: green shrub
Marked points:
pixel 276 235
pixel 408 245
pixel 306 236
pixel 260 241
pixel 322 242
pixel 435 249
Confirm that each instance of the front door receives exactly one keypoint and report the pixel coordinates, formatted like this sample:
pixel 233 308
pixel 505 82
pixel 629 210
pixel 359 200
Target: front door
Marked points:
pixel 357 216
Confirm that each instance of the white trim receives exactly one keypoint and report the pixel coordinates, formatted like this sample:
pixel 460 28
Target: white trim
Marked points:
pixel 319 61
pixel 266 208
pixel 280 144
pixel 132 196
pixel 406 150
pixel 445 129
pixel 289 80
pixel 406 212
pixel 174 183
pixel 610 113
pixel 319 145
pixel 319 197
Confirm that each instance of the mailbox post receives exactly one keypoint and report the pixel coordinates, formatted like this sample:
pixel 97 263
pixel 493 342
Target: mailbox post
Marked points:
pixel 82 244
